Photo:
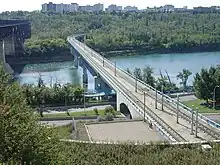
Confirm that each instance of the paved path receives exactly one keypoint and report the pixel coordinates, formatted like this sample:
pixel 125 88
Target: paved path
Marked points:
pixel 124 132
pixel 214 117
pixel 56 123
pixel 187 98
pixel 102 107
pixel 126 84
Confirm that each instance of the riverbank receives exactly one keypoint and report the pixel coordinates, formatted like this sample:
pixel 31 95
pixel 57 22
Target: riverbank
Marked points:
pixel 130 51
pixel 23 60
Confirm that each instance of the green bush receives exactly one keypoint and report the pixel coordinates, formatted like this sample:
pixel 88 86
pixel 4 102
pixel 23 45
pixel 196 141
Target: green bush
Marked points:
pixel 96 111
pixel 110 110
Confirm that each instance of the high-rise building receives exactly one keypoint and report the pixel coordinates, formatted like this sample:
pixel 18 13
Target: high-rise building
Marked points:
pixel 44 7
pixel 112 8
pixel 86 8
pixel 59 8
pixel 74 7
pixel 98 7
pixel 130 8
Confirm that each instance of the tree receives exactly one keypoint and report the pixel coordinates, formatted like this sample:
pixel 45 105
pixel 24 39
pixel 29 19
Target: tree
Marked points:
pixel 183 76
pixel 205 82
pixel 147 76
pixel 22 139
pixel 138 73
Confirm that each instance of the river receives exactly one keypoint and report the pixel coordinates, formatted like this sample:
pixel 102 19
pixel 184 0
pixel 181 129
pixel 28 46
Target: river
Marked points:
pixel 172 63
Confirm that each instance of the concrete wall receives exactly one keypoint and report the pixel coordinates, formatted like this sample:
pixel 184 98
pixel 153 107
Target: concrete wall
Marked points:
pixel 122 100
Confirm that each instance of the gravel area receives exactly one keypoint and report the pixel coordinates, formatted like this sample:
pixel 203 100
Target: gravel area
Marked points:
pixel 124 132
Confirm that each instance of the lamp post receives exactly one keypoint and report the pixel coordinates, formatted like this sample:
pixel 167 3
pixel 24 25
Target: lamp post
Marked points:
pixel 196 135
pixel 84 102
pixel 103 61
pixel 177 119
pixel 115 68
pixel 156 98
pixel 192 121
pixel 144 105
pixel 135 84
pixel 214 96
pixel 162 97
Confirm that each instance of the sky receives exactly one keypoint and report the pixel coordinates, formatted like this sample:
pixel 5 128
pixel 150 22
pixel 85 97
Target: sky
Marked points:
pixel 30 5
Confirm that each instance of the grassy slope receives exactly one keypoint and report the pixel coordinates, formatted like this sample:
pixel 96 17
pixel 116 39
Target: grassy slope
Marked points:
pixel 202 109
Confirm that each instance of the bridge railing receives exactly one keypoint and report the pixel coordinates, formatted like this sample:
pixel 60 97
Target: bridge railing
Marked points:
pixel 131 77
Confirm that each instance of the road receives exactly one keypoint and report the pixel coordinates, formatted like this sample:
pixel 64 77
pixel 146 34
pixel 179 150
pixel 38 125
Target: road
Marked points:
pixel 125 84
pixel 101 107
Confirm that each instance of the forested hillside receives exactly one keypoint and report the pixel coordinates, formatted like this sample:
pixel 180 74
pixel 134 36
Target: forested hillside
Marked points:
pixel 176 32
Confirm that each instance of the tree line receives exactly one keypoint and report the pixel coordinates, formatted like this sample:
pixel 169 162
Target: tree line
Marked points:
pixel 163 82
pixel 176 32
pixel 205 83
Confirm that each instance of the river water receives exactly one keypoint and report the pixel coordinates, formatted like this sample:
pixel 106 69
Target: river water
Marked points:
pixel 172 63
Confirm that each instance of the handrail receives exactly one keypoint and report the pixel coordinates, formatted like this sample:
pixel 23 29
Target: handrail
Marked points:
pixel 203 118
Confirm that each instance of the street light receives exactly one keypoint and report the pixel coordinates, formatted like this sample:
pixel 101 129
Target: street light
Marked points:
pixel 135 84
pixel 192 120
pixel 103 61
pixel 214 96
pixel 177 120
pixel 196 122
pixel 115 68
pixel 144 106
pixel 162 97
pixel 156 98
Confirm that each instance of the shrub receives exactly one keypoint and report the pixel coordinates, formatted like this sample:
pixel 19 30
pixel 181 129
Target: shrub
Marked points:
pixel 109 117
pixel 96 111
pixel 110 110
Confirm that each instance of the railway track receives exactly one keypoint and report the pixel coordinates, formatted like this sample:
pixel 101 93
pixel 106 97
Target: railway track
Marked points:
pixel 188 118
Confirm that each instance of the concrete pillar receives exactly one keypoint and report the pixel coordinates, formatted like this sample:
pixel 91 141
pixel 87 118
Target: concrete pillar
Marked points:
pixel 85 75
pixel 2 51
pixel 117 101
pixel 9 46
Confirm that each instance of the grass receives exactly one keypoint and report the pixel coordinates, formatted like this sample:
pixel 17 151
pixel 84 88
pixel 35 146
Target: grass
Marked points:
pixel 63 131
pixel 77 114
pixel 202 109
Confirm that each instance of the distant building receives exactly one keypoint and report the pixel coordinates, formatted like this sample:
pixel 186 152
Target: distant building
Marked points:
pixel 167 8
pixel 201 9
pixel 116 8
pixel 59 8
pixel 98 7
pixel 44 7
pixel 74 7
pixel 130 8
pixel 86 8
pixel 184 9
pixel 51 7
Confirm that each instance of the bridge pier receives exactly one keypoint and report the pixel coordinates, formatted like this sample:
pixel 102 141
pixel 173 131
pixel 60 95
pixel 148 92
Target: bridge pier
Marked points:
pixel 9 46
pixel 2 51
pixel 85 75
pixel 76 57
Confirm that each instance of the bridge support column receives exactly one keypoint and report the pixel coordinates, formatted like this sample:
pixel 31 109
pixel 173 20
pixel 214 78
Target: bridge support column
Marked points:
pixel 76 57
pixel 85 75
pixel 2 51
pixel 9 45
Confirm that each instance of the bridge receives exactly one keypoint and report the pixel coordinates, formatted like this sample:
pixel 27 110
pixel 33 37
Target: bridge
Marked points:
pixel 175 121
pixel 12 36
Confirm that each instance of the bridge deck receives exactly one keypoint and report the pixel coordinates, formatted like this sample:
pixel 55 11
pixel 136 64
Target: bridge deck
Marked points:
pixel 122 82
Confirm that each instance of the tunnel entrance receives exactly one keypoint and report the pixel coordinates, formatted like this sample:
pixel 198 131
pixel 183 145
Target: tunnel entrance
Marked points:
pixel 124 110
